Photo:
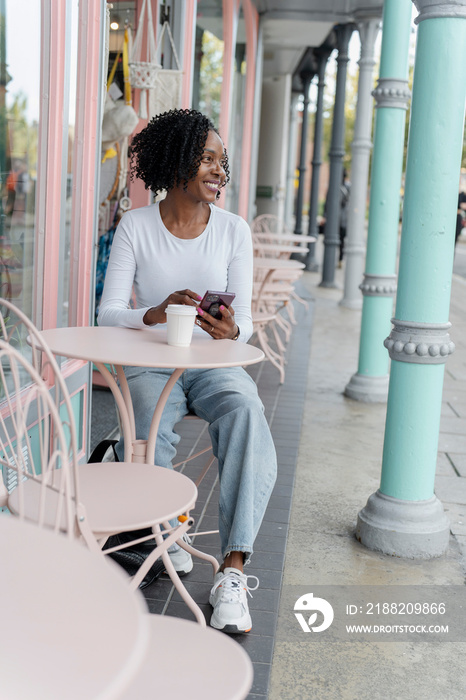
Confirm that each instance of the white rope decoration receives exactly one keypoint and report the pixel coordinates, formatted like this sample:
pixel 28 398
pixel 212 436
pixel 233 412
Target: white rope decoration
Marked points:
pixel 143 69
pixel 146 72
pixel 166 94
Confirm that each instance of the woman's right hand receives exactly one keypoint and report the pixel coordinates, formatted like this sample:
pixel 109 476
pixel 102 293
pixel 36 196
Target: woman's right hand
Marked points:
pixel 157 314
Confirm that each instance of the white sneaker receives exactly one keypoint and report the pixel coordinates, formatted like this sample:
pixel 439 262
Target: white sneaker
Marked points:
pixel 229 601
pixel 182 561
pixel 180 558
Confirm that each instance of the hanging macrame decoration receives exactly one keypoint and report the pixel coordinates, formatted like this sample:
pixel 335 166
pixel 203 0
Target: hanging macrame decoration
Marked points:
pixel 166 94
pixel 143 70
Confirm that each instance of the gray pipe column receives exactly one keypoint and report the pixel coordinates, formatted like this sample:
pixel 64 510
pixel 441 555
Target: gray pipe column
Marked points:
pixel 291 166
pixel 368 28
pixel 337 151
pixel 306 78
pixel 322 57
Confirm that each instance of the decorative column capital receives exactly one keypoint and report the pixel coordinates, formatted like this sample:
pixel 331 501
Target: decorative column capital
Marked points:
pixel 429 9
pixel 392 92
pixel 378 285
pixel 421 343
pixel 306 79
pixel 344 32
pixel 368 27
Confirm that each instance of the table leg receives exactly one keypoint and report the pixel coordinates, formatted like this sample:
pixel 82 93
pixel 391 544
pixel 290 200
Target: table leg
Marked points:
pixel 154 426
pixel 124 406
pixel 124 388
pixel 133 447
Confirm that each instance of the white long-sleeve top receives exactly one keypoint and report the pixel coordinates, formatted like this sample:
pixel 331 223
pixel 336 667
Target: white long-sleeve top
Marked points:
pixel 146 256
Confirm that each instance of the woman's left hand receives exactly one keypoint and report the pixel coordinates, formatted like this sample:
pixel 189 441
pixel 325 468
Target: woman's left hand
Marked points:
pixel 218 328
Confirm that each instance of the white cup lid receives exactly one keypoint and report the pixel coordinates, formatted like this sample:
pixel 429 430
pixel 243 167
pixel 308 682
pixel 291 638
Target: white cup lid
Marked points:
pixel 181 309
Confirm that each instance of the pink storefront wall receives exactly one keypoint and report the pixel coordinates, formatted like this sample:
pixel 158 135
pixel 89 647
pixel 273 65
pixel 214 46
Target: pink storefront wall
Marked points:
pixel 83 214
pixel 47 224
pixel 251 19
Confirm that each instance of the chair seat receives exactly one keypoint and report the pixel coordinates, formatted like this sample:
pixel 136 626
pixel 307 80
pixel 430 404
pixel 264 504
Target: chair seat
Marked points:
pixel 166 492
pixel 185 660
pixel 114 499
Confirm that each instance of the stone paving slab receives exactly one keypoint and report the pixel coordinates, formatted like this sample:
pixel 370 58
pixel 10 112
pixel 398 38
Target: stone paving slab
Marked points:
pixel 453 424
pixel 451 489
pixel 457 516
pixel 445 466
pixel 450 442
pixel 458 461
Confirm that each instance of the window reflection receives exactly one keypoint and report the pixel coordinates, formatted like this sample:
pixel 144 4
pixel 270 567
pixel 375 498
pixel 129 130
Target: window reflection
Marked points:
pixel 237 117
pixel 19 123
pixel 19 119
pixel 208 67
pixel 207 83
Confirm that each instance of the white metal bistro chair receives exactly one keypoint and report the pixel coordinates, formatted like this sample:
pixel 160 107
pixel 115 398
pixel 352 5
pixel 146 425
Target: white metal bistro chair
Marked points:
pixel 45 484
pixel 268 229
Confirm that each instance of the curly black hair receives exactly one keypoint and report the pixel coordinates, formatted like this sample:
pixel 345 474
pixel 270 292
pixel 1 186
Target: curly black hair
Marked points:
pixel 167 152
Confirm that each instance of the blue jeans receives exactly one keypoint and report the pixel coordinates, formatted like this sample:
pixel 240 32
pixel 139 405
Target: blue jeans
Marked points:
pixel 227 399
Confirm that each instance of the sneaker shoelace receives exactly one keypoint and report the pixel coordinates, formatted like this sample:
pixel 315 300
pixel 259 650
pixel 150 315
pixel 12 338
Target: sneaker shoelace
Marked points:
pixel 233 584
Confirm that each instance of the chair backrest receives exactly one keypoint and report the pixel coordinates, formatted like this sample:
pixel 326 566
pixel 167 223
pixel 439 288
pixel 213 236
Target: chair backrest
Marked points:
pixel 269 223
pixel 267 229
pixel 37 428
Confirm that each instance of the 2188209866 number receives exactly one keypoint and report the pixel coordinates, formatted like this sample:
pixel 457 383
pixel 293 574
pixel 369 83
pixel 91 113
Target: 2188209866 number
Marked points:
pixel 405 608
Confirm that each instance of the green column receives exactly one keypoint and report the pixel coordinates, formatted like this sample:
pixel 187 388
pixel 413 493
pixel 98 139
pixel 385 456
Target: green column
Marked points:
pixel 404 517
pixel 370 383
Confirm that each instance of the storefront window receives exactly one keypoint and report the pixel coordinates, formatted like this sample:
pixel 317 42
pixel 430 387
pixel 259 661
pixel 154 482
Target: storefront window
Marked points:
pixel 208 67
pixel 19 127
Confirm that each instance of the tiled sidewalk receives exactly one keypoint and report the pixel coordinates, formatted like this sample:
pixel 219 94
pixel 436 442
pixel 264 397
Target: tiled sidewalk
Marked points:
pixel 284 408
pixel 450 481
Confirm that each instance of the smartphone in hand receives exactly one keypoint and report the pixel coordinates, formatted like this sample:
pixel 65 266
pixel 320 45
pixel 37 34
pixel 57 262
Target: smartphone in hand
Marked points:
pixel 212 301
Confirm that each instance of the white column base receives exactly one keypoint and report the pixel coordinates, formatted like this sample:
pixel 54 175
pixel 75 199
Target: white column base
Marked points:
pixel 409 529
pixel 367 389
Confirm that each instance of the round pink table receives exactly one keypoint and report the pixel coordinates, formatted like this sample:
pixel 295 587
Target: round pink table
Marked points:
pixel 283 237
pixel 119 347
pixel 277 250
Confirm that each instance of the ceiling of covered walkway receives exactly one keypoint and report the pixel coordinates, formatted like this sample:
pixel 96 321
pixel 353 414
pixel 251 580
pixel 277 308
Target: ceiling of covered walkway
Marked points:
pixel 291 27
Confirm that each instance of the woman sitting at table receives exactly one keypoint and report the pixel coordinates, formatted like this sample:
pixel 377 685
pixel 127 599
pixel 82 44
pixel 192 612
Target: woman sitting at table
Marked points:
pixel 186 243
